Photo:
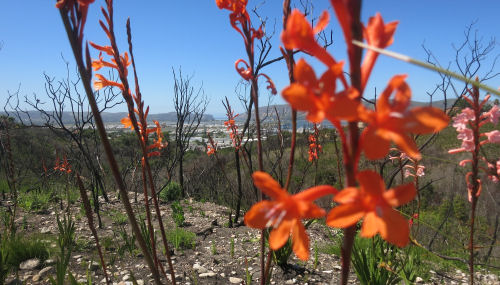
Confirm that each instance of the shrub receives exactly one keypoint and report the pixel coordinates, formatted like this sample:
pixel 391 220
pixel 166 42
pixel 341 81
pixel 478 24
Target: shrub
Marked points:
pixel 171 192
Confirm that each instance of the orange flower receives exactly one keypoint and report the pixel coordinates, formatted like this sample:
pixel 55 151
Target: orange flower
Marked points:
pixel 210 150
pixel 62 3
pixel 300 35
pixel 317 97
pixel 103 82
pixel 375 204
pixel 237 6
pixel 379 35
pixel 393 122
pixel 285 212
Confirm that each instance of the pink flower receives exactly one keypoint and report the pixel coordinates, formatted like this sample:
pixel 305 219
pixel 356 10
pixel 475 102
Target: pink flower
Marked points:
pixel 461 120
pixel 420 170
pixel 493 114
pixel 408 173
pixel 493 136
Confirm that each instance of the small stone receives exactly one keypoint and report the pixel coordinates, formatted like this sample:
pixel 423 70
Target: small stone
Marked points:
pixel 45 230
pixel 30 264
pixel 208 274
pixel 140 282
pixel 50 262
pixel 77 256
pixel 200 269
pixel 233 272
pixel 419 280
pixel 328 271
pixel 126 278
pixel 45 270
pixel 235 280
pixel 94 266
pixel 291 281
pixel 36 278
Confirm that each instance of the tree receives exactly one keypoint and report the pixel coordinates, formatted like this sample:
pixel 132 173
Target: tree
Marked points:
pixel 190 105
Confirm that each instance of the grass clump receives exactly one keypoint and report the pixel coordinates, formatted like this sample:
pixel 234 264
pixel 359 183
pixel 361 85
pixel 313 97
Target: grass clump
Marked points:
pixel 181 238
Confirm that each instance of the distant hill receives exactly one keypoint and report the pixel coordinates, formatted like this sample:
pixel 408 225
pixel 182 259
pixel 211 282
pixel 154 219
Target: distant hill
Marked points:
pixel 108 117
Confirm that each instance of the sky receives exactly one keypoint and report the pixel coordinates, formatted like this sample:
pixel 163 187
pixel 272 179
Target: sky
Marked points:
pixel 195 36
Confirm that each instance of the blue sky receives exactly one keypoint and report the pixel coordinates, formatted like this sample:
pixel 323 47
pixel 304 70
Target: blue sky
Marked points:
pixel 196 35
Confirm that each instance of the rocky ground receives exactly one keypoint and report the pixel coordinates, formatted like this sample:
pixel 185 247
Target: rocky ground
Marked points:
pixel 221 255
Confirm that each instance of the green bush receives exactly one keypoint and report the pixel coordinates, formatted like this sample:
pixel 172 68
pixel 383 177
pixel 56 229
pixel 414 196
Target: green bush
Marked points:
pixel 181 238
pixel 171 192
pixel 177 213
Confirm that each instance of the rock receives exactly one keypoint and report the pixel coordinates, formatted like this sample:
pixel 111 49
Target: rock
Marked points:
pixel 328 271
pixel 45 270
pixel 291 281
pixel 419 280
pixel 126 278
pixel 94 266
pixel 77 256
pixel 200 269
pixel 235 280
pixel 30 264
pixel 208 274
pixel 36 278
pixel 45 230
pixel 140 282
pixel 50 262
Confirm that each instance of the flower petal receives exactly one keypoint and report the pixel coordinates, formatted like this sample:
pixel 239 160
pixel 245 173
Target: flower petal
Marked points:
pixel 316 192
pixel 375 146
pixel 427 120
pixel 371 183
pixel 255 217
pixel 300 241
pixel 371 225
pixel 400 195
pixel 345 215
pixel 322 23
pixel 268 185
pixel 347 195
pixel 279 235
pixel 406 144
pixel 297 96
pixel 394 228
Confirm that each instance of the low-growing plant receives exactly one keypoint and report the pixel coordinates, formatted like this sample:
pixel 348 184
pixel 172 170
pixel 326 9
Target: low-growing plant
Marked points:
pixel 65 242
pixel 373 259
pixel 34 200
pixel 119 218
pixel 231 249
pixel 177 213
pixel 146 234
pixel 128 242
pixel 18 249
pixel 213 248
pixel 181 238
